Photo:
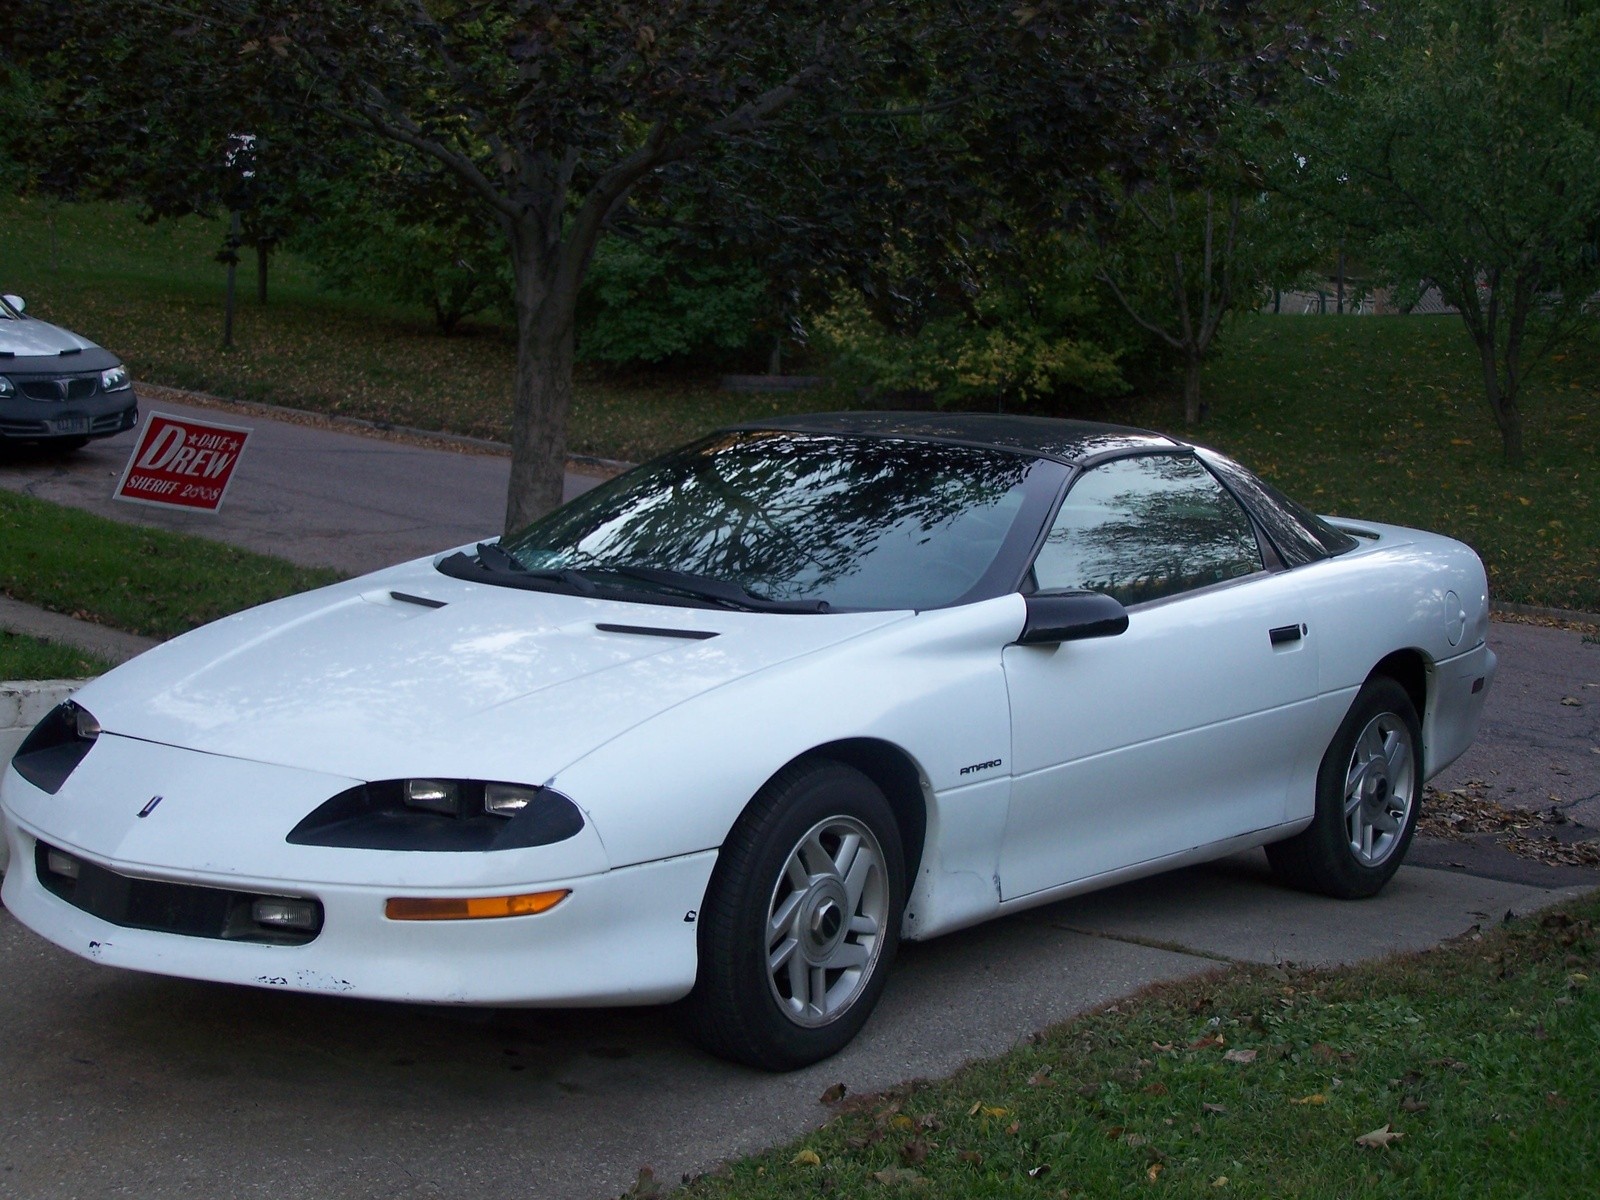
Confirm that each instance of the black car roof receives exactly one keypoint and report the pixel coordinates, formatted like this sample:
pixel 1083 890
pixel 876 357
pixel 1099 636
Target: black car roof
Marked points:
pixel 1077 443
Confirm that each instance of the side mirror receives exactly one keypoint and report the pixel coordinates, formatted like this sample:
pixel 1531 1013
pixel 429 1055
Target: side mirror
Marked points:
pixel 16 302
pixel 1071 616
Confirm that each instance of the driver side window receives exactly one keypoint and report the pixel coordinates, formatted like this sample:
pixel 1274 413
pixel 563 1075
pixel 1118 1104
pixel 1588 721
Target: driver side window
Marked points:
pixel 1142 528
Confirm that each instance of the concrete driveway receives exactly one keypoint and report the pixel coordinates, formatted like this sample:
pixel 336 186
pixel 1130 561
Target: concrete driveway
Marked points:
pixel 114 1084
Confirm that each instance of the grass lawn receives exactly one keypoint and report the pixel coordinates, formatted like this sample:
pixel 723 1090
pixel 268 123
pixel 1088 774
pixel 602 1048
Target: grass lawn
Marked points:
pixel 24 657
pixel 145 581
pixel 1475 1068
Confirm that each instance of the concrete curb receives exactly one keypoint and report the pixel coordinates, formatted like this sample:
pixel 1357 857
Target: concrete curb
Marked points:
pixel 22 703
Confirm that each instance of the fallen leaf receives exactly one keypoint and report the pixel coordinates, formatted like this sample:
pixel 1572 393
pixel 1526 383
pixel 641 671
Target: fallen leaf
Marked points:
pixel 901 1122
pixel 1154 1173
pixel 1379 1138
pixel 1205 1043
pixel 1239 1056
pixel 1214 1108
pixel 914 1153
pixel 1220 1181
pixel 1572 702
pixel 1155 1089
pixel 996 1113
pixel 1165 1046
pixel 834 1094
pixel 806 1158
pixel 971 1157
pixel 1316 1098
pixel 1039 1172
pixel 1013 1128
pixel 1411 1105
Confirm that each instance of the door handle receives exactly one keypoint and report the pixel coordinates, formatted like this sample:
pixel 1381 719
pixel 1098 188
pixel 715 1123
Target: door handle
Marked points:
pixel 1284 634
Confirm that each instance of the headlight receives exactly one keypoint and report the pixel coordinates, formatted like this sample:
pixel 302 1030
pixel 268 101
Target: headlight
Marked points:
pixel 113 379
pixel 56 746
pixel 440 814
pixel 7 388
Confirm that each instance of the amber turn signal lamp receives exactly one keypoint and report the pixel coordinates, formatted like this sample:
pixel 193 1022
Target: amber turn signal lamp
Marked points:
pixel 471 908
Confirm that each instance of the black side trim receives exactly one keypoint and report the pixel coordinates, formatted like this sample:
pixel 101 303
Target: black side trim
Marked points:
pixel 163 907
pixel 408 598
pixel 694 635
pixel 1284 633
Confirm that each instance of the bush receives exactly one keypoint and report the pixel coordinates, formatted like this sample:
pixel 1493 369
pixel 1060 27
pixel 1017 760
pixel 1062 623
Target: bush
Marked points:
pixel 649 300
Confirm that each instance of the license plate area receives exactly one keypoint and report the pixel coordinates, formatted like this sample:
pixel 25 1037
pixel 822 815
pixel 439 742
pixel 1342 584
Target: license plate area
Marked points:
pixel 70 425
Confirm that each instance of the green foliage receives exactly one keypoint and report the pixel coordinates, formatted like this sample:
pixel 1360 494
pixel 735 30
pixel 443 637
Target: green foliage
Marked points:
pixel 1462 145
pixel 649 299
pixel 397 229
pixel 1033 335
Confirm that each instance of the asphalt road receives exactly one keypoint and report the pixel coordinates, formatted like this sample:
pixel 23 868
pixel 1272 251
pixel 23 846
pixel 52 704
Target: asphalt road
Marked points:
pixel 113 1083
pixel 305 492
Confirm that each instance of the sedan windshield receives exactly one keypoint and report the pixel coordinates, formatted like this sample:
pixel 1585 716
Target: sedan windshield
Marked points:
pixel 805 521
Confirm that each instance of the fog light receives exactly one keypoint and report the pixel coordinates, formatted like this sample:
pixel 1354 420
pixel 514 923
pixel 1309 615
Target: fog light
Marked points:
pixel 507 799
pixel 61 864
pixel 434 795
pixel 471 908
pixel 284 912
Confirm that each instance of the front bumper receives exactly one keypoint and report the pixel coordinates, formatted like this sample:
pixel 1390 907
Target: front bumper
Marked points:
pixel 24 419
pixel 175 817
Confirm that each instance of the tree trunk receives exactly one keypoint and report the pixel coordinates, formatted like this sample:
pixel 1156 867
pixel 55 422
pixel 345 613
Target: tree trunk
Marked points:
pixel 541 395
pixel 1191 388
pixel 233 273
pixel 1503 403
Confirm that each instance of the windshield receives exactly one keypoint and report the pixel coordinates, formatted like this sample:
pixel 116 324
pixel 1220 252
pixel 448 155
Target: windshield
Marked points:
pixel 833 522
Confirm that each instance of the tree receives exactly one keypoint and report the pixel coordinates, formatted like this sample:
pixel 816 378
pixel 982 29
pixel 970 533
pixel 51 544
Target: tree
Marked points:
pixel 901 123
pixel 1463 146
pixel 1182 256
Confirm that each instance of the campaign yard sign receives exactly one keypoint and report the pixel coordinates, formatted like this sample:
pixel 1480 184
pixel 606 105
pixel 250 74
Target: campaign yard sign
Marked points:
pixel 180 463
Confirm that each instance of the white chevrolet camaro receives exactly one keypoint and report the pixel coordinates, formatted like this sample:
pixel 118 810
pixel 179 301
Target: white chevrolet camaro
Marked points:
pixel 728 727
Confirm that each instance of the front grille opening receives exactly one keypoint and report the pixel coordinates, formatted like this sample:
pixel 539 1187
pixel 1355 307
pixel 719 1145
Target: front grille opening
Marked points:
pixel 181 908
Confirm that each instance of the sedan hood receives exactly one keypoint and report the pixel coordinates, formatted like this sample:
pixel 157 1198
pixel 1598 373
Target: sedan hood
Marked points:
pixel 28 338
pixel 409 672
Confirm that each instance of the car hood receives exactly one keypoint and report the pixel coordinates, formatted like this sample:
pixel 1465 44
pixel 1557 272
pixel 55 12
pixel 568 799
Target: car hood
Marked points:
pixel 28 338
pixel 409 672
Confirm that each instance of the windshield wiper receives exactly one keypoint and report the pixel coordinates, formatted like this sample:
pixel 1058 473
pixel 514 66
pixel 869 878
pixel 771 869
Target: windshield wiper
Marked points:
pixel 718 591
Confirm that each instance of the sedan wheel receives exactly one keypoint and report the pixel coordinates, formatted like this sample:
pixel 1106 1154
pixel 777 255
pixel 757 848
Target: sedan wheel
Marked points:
pixel 1369 791
pixel 801 920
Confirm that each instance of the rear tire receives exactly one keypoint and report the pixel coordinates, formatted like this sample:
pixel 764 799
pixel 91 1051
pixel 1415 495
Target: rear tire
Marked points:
pixel 1369 795
pixel 801 920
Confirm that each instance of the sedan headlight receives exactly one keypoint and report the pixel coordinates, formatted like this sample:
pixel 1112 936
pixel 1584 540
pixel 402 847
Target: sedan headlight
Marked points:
pixel 7 388
pixel 114 379
pixel 56 746
pixel 440 814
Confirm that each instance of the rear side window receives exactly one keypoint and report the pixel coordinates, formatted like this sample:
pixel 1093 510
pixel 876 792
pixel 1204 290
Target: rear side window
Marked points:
pixel 1142 528
pixel 1298 533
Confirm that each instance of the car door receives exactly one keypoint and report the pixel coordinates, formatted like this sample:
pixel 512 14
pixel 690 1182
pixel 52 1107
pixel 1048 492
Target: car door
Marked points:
pixel 1183 730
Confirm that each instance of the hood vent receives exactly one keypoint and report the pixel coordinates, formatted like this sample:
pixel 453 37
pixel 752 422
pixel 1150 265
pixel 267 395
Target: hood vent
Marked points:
pixel 693 635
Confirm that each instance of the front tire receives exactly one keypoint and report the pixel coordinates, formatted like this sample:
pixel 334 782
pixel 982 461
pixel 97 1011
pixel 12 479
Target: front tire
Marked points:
pixel 801 920
pixel 1369 795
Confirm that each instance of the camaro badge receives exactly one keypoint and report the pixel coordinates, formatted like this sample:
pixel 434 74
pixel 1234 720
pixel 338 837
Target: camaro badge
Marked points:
pixel 972 770
pixel 150 807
